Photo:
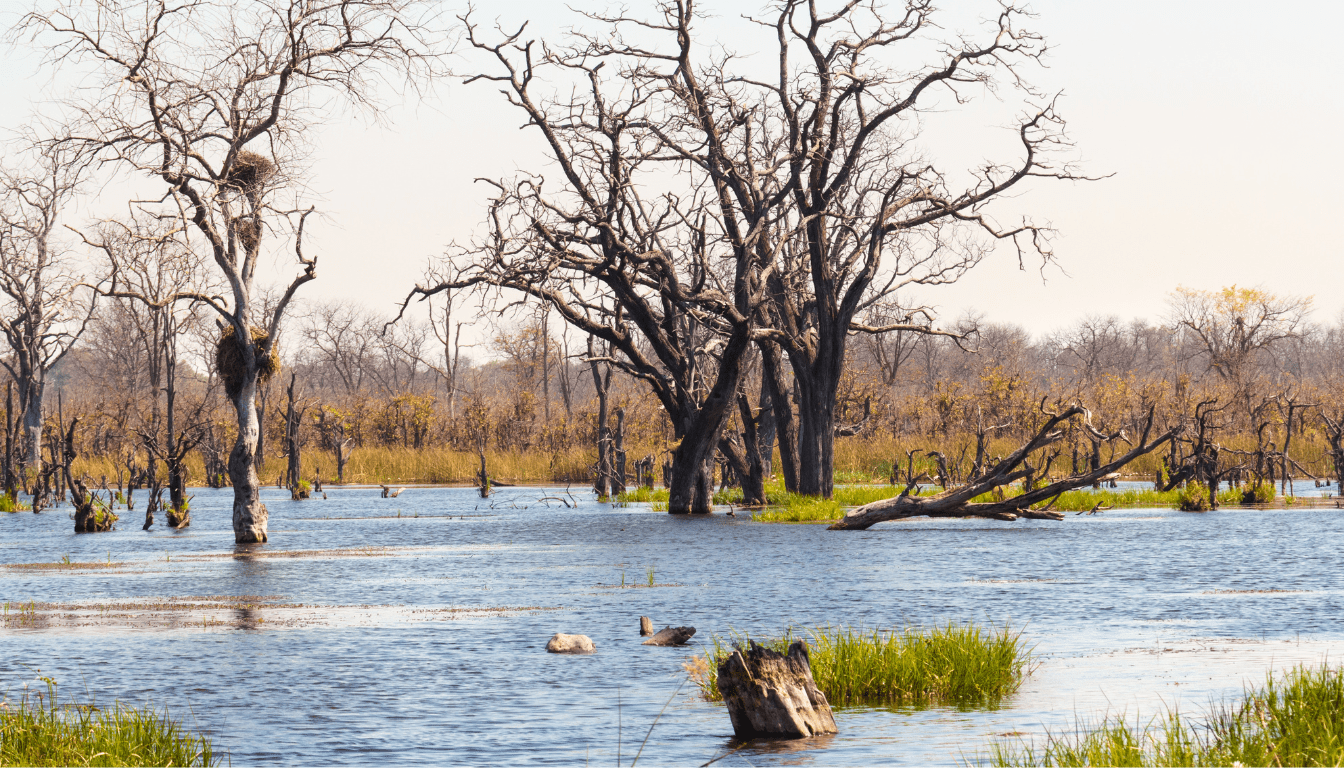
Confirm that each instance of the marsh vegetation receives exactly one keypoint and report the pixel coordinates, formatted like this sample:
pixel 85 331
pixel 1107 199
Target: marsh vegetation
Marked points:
pixel 1293 718
pixel 951 664
pixel 37 730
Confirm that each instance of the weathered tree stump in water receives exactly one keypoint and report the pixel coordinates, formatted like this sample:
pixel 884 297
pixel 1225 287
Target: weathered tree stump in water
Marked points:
pixel 772 695
pixel 179 518
pixel 645 626
pixel 671 636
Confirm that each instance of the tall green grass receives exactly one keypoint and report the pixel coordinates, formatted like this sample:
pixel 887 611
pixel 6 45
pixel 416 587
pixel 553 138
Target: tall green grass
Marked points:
pixel 953 663
pixel 1297 719
pixel 37 731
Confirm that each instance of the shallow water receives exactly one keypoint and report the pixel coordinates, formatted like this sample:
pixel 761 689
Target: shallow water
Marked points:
pixel 331 644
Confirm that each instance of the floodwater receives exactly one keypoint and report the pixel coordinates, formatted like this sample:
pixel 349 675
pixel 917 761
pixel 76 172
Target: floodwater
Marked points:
pixel 413 630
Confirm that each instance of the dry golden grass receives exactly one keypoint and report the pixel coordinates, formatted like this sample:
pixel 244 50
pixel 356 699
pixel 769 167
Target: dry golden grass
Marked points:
pixel 857 460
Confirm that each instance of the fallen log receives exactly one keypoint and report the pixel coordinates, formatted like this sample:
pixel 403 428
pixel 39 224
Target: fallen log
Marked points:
pixel 671 636
pixel 956 502
pixel 768 694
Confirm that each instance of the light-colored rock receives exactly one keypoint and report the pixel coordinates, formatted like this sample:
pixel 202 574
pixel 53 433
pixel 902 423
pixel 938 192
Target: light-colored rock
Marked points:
pixel 562 643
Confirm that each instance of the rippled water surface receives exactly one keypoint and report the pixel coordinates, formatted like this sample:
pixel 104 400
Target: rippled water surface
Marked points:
pixel 414 629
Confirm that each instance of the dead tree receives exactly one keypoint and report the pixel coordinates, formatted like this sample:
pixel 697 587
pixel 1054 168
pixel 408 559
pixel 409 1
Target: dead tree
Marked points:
pixel 874 217
pixel 221 167
pixel 294 444
pixel 603 473
pixel 91 515
pixel 1334 431
pixel 45 305
pixel 670 282
pixel 956 502
pixel 1293 409
pixel 335 434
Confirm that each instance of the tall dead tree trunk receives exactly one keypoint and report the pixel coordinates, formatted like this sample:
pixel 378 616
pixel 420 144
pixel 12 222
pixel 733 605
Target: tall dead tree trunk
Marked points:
pixel 772 381
pixel 602 474
pixel 618 453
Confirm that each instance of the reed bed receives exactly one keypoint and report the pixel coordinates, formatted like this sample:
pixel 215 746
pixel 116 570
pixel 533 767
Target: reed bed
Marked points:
pixel 400 465
pixel 37 731
pixel 1296 719
pixel 962 664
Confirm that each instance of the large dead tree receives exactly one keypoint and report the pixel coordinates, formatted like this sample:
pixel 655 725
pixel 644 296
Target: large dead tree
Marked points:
pixel 212 100
pixel 149 267
pixel 648 241
pixel 876 213
pixel 957 502
pixel 44 306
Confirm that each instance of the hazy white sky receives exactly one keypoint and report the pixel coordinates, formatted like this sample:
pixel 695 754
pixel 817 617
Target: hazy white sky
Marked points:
pixel 1220 121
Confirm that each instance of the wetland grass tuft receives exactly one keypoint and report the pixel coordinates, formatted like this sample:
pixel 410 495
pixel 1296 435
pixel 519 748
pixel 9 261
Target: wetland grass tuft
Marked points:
pixel 37 731
pixel 963 664
pixel 1295 719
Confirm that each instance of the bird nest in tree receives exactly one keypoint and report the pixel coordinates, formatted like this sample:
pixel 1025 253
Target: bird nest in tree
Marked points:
pixel 250 170
pixel 230 360
pixel 246 229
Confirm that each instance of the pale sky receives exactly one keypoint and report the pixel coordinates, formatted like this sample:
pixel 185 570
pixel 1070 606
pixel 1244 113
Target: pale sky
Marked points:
pixel 1219 120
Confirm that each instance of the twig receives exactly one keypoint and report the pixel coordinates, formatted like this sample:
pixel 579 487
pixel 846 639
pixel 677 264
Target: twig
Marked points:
pixel 651 725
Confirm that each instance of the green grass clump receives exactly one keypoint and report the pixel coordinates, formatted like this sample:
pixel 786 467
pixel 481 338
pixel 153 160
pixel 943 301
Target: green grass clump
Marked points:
pixel 1261 493
pixel 1297 719
pixel 37 731
pixel 10 504
pixel 640 494
pixel 1194 497
pixel 953 663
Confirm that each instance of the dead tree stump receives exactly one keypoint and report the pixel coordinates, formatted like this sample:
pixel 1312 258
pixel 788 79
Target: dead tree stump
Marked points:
pixel 179 518
pixel 772 695
pixel 645 626
pixel 671 636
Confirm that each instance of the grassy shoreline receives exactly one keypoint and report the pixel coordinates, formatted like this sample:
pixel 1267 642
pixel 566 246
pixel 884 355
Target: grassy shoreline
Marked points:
pixel 1295 719
pixel 37 731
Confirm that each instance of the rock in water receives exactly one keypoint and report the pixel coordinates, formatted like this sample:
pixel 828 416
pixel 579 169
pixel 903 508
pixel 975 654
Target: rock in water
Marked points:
pixel 772 695
pixel 562 643
pixel 671 636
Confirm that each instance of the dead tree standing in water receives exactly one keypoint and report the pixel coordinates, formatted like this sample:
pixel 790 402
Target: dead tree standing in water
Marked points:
pixel 293 443
pixel 262 68
pixel 668 280
pixel 44 307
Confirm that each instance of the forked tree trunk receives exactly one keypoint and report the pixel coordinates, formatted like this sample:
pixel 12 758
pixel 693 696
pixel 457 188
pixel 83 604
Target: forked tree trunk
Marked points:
pixel 249 514
pixel 692 488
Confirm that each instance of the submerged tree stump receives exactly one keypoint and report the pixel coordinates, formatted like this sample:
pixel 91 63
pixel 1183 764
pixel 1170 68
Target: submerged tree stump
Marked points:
pixel 769 694
pixel 671 636
pixel 179 518
pixel 645 626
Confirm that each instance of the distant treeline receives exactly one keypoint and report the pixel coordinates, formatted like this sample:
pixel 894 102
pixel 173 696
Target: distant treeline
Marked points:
pixel 410 404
